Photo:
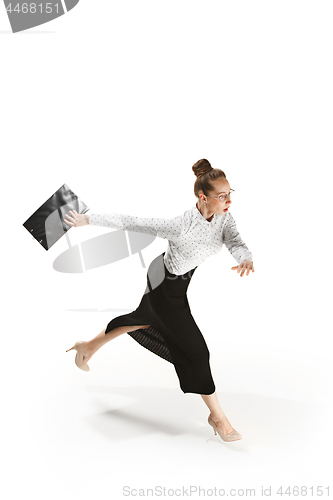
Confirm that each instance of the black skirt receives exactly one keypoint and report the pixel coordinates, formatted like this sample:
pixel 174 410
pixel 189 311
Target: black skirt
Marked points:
pixel 173 333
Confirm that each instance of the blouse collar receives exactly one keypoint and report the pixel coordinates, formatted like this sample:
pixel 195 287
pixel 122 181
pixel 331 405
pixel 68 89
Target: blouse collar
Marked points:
pixel 198 215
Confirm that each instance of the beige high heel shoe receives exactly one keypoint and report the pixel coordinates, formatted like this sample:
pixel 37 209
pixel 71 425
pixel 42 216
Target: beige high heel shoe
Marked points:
pixel 233 436
pixel 79 356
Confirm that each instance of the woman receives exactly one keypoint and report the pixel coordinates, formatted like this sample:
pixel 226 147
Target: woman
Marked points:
pixel 163 322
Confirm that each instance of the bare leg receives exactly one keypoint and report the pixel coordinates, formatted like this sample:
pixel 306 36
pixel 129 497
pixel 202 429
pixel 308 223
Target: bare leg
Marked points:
pixel 91 346
pixel 217 413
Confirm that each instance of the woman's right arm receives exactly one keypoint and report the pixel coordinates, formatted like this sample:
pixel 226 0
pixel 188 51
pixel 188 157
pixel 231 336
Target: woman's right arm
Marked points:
pixel 164 228
pixel 169 229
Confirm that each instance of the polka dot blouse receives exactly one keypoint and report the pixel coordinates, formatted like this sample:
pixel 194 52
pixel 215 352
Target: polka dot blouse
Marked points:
pixel 191 238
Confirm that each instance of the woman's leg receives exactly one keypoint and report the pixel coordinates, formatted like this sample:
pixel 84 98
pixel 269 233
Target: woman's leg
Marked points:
pixel 217 413
pixel 91 346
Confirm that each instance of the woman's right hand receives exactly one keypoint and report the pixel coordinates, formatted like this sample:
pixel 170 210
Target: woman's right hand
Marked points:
pixel 76 219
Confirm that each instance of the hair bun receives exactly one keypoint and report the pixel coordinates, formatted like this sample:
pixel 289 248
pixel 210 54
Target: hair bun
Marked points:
pixel 201 167
pixel 205 172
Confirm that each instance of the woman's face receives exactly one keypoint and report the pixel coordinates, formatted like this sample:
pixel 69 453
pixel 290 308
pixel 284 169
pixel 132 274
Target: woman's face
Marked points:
pixel 215 205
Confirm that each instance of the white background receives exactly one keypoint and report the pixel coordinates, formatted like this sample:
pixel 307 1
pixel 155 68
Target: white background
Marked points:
pixel 118 100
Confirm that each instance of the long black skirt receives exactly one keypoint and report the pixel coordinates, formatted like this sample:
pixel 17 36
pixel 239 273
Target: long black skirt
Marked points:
pixel 173 333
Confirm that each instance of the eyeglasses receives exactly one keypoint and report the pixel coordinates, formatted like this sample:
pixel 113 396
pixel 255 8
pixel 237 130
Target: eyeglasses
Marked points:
pixel 222 197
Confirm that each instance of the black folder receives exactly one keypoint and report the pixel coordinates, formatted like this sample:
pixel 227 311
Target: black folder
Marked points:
pixel 46 225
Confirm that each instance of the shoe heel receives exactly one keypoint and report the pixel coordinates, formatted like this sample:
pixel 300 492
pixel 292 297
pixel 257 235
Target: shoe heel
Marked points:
pixel 78 359
pixel 210 421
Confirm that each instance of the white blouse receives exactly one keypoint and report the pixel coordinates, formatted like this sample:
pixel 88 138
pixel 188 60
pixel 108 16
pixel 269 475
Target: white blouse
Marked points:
pixel 191 238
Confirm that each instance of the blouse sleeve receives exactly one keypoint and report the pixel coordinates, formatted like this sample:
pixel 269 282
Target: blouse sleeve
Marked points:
pixel 169 229
pixel 233 241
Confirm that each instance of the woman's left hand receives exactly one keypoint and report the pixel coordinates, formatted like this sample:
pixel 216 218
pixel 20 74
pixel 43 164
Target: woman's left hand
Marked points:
pixel 245 265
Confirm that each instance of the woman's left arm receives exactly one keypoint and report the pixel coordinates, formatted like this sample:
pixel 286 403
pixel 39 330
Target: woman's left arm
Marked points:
pixel 237 247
